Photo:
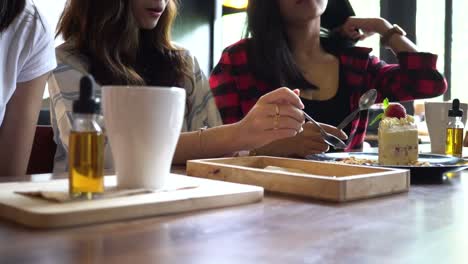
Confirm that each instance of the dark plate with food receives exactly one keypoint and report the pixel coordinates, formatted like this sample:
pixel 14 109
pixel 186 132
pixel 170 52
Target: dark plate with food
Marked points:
pixel 430 168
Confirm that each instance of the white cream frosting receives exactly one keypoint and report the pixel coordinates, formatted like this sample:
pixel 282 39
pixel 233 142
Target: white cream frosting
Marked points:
pixel 397 123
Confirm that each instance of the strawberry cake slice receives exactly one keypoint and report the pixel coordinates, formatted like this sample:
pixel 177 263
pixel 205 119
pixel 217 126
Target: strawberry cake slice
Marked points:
pixel 398 137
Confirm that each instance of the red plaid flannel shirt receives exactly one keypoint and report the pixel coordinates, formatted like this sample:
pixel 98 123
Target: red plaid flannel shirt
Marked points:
pixel 236 90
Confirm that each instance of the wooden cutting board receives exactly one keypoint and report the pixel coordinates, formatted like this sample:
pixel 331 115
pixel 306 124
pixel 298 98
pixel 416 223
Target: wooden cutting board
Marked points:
pixel 38 213
pixel 320 180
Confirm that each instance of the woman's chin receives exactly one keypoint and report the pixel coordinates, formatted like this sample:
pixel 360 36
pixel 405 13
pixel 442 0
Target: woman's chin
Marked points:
pixel 149 24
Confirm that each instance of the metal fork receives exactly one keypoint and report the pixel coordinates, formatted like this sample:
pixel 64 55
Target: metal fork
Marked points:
pixel 330 139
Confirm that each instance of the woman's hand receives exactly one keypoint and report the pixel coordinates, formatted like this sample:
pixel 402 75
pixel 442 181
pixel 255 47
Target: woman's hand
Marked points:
pixel 276 115
pixel 361 28
pixel 309 141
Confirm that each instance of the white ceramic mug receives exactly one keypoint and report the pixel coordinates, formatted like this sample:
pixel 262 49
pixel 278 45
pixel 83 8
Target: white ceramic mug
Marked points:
pixel 437 120
pixel 143 125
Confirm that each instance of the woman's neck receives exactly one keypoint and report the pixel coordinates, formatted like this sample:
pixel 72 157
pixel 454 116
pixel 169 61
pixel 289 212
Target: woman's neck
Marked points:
pixel 305 40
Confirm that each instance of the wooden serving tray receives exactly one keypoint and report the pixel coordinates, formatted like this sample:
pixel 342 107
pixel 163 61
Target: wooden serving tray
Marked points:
pixel 38 213
pixel 319 180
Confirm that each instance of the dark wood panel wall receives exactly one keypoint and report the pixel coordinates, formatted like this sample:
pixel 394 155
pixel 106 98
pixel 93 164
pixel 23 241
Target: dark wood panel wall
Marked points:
pixel 403 13
pixel 194 30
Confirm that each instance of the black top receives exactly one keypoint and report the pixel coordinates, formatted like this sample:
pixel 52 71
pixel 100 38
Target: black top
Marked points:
pixel 331 111
pixel 155 67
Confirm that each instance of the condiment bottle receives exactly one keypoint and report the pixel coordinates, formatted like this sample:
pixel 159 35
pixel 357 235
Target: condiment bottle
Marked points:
pixel 454 136
pixel 465 143
pixel 86 144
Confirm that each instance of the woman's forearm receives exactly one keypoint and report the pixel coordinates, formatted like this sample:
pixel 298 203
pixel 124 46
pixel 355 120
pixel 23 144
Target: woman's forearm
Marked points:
pixel 19 125
pixel 213 142
pixel 397 42
pixel 275 116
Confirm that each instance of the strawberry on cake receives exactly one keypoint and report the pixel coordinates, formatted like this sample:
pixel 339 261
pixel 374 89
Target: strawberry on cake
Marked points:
pixel 398 136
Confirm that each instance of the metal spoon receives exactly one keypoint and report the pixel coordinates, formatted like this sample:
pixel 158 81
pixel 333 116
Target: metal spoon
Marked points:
pixel 366 101
pixel 327 137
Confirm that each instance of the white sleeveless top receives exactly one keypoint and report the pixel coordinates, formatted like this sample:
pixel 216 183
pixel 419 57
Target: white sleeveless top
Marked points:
pixel 26 52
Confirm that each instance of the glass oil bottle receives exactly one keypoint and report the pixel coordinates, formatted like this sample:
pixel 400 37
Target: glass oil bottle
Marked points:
pixel 86 144
pixel 454 135
pixel 465 142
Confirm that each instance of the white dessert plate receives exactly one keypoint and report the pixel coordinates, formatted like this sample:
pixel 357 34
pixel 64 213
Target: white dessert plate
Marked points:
pixel 438 165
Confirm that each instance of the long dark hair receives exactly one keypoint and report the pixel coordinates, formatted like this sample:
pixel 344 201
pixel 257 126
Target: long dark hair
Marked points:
pixel 270 56
pixel 9 10
pixel 106 32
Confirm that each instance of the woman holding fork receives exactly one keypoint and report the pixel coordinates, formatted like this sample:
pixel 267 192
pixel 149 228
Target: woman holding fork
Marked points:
pixel 287 47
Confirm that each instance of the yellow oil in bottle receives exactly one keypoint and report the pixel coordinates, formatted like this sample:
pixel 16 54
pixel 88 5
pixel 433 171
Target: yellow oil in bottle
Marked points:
pixel 454 142
pixel 86 163
pixel 465 142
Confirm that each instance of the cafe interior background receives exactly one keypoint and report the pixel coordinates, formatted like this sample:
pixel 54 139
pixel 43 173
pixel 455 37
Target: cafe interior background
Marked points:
pixel 206 27
pixel 426 225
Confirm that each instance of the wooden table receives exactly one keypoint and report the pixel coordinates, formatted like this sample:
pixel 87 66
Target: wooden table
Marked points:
pixel 427 225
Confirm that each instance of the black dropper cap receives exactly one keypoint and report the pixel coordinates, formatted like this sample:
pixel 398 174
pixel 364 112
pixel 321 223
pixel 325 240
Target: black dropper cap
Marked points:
pixel 455 111
pixel 87 103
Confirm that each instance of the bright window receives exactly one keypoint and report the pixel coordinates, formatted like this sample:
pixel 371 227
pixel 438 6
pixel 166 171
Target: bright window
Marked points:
pixel 233 28
pixel 431 17
pixel 430 29
pixel 368 8
pixel 459 51
pixel 52 10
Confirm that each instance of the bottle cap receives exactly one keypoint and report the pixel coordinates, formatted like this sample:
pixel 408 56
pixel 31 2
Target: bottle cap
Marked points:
pixel 455 111
pixel 87 103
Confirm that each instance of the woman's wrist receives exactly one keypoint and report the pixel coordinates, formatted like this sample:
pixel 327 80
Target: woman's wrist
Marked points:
pixel 237 138
pixel 382 26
